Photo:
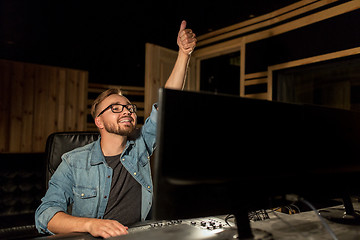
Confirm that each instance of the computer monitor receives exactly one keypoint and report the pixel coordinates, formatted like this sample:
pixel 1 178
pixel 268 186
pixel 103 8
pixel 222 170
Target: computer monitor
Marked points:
pixel 220 154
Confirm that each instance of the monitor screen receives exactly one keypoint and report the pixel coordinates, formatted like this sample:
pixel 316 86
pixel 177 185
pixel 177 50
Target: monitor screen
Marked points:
pixel 218 154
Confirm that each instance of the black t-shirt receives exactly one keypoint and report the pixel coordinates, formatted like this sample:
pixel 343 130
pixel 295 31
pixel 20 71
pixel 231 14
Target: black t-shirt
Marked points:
pixel 124 204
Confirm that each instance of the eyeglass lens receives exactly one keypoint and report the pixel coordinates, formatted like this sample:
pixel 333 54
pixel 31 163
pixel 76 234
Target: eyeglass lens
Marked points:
pixel 118 108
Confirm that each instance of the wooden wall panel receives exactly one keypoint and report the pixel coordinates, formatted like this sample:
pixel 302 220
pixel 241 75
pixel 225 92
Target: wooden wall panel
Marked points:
pixel 36 100
pixel 159 62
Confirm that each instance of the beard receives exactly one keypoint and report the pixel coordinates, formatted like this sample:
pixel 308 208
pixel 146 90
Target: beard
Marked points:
pixel 119 130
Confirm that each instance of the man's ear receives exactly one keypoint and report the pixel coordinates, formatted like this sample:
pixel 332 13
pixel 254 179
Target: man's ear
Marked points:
pixel 99 123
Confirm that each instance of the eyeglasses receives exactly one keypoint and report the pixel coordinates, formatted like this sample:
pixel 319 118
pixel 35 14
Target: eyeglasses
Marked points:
pixel 118 108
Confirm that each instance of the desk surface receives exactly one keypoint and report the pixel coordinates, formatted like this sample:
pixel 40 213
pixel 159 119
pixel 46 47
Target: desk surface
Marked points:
pixel 305 225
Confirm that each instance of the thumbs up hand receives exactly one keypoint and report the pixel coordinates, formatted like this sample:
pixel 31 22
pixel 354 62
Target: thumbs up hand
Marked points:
pixel 186 39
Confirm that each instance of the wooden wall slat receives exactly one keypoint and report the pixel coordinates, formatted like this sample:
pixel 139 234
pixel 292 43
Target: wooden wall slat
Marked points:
pixel 52 123
pixel 61 80
pixel 279 13
pixel 82 100
pixel 40 113
pixel 4 105
pixel 16 106
pixel 70 102
pixel 28 109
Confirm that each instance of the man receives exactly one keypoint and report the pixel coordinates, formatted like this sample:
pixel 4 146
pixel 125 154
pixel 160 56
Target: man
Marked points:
pixel 108 182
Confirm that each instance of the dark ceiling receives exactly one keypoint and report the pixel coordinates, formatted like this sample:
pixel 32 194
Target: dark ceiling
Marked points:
pixel 108 38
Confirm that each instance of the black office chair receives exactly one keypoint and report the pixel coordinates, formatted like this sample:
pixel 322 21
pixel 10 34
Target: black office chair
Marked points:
pixel 59 143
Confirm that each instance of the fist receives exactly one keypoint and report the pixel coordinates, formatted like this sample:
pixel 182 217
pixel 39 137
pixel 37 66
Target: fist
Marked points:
pixel 186 39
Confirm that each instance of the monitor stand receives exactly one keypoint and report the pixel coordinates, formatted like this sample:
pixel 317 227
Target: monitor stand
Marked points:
pixel 347 215
pixel 244 231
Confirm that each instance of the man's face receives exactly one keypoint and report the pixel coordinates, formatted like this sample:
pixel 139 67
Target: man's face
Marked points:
pixel 122 123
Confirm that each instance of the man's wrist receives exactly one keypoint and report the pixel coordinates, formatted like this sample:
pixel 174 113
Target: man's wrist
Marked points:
pixel 183 54
pixel 87 224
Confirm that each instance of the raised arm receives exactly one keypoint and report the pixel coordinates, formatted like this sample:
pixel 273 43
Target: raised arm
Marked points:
pixel 186 41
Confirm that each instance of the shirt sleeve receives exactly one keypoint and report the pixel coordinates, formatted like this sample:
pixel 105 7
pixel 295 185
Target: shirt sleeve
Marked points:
pixel 149 129
pixel 57 198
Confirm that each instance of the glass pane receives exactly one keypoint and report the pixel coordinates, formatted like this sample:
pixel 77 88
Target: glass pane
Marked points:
pixel 221 74
pixel 333 83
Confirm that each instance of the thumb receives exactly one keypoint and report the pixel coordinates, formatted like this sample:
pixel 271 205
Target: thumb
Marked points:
pixel 183 25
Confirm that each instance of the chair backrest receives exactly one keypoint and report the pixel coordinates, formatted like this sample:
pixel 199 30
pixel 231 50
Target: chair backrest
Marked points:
pixel 61 142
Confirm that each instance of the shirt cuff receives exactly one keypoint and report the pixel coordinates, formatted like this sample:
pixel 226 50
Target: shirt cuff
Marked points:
pixel 154 113
pixel 45 218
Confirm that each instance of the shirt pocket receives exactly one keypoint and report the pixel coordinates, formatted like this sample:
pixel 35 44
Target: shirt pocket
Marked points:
pixel 144 159
pixel 85 201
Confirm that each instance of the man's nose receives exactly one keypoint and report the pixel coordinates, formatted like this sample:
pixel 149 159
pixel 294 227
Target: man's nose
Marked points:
pixel 126 111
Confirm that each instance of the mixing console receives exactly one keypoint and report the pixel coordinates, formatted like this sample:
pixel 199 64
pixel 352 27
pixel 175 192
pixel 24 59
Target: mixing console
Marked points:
pixel 213 224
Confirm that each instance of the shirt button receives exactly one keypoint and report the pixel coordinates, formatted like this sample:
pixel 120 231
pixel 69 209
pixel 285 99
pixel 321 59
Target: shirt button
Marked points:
pixel 123 159
pixel 105 197
pixel 148 187
pixel 82 194
pixel 134 173
pixel 148 157
pixel 108 176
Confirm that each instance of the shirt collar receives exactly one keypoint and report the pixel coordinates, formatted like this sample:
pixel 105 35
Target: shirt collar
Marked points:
pixel 97 157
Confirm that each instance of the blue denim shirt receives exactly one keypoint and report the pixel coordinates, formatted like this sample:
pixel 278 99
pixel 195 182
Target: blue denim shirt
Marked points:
pixel 83 178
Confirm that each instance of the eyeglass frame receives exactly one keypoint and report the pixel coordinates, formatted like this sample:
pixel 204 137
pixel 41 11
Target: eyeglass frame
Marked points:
pixel 123 106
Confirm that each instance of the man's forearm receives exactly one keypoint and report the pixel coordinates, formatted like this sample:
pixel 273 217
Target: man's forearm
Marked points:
pixel 178 74
pixel 65 223
pixel 186 41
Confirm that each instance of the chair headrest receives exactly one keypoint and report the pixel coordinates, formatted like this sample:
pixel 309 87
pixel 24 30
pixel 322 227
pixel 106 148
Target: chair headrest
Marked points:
pixel 61 142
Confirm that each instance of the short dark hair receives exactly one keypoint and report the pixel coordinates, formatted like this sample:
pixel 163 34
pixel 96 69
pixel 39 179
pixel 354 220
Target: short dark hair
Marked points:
pixel 101 97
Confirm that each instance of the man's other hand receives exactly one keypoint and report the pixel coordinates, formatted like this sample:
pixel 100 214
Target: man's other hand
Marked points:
pixel 105 228
pixel 186 39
